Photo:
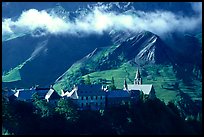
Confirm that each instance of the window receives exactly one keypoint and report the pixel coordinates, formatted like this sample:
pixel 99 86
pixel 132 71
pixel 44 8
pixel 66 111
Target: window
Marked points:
pixel 82 105
pixel 91 97
pixel 86 98
pixel 101 97
pixel 96 97
pixel 87 104
pixel 82 98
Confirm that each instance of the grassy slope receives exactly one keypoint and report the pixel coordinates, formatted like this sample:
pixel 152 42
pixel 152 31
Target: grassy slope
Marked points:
pixel 84 63
pixel 165 77
pixel 11 76
pixel 14 74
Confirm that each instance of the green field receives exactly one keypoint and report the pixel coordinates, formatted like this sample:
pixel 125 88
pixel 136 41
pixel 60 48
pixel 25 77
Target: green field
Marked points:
pixel 157 75
pixel 13 74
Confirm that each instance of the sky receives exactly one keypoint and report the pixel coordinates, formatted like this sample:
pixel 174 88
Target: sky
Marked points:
pixel 99 20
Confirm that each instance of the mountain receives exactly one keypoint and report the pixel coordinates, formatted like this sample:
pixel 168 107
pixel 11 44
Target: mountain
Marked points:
pixel 46 58
pixel 140 48
pixel 171 62
pixel 160 65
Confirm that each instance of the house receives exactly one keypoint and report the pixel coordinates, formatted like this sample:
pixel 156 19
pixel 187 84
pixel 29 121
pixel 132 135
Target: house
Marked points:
pixel 98 97
pixel 44 93
pixel 41 92
pixel 52 96
pixel 116 97
pixel 146 89
pixel 88 96
pixel 24 94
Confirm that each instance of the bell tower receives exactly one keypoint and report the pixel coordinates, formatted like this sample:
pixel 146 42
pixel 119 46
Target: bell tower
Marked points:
pixel 125 85
pixel 138 79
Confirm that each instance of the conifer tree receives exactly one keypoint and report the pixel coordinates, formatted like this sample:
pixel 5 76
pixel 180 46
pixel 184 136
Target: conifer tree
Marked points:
pixel 87 80
pixel 112 86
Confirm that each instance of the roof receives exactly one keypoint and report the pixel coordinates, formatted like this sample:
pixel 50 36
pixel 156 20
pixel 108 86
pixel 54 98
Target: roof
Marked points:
pixel 137 74
pixel 8 93
pixel 145 88
pixel 73 94
pixel 52 94
pixel 117 94
pixel 37 88
pixel 135 93
pixel 90 90
pixel 42 93
pixel 24 94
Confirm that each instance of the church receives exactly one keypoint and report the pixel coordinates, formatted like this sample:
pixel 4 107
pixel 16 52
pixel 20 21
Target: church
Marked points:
pixel 95 96
pixel 146 89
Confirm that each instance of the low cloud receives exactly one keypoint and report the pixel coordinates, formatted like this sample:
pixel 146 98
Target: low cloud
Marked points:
pixel 99 20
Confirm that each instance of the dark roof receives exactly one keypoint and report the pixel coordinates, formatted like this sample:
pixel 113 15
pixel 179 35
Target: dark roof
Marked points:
pixel 137 74
pixel 42 93
pixel 134 93
pixel 52 94
pixel 90 90
pixel 24 94
pixel 117 93
pixel 37 88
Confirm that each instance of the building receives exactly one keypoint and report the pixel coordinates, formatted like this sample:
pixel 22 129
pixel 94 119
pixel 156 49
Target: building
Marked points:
pixel 146 89
pixel 24 94
pixel 52 96
pixel 117 97
pixel 44 93
pixel 88 96
pixel 97 97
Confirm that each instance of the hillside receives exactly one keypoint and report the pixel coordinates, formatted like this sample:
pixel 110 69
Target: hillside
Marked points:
pixel 48 62
pixel 158 64
pixel 142 48
pixel 48 58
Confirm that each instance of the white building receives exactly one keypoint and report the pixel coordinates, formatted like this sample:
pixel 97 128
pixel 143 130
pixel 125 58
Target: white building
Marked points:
pixel 147 89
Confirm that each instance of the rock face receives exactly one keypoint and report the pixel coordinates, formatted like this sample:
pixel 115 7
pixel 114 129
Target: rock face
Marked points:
pixel 143 47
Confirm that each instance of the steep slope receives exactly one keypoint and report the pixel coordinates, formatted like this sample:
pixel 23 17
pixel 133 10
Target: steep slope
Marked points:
pixel 51 57
pixel 159 65
pixel 140 48
pixel 16 51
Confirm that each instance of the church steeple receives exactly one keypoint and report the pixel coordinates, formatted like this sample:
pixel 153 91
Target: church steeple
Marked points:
pixel 125 85
pixel 138 79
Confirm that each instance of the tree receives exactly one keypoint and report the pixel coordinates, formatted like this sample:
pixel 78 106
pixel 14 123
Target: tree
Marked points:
pixel 66 108
pixel 112 86
pixel 87 80
pixel 42 107
pixel 173 107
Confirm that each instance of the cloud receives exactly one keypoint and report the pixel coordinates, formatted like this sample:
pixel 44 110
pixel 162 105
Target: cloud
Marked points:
pixel 100 20
pixel 6 29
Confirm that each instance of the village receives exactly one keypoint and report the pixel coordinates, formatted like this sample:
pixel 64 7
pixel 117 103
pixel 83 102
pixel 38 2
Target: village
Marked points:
pixel 89 96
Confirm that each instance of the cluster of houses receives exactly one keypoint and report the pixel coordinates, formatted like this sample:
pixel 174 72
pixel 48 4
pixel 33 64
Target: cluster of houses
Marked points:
pixel 48 94
pixel 91 96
